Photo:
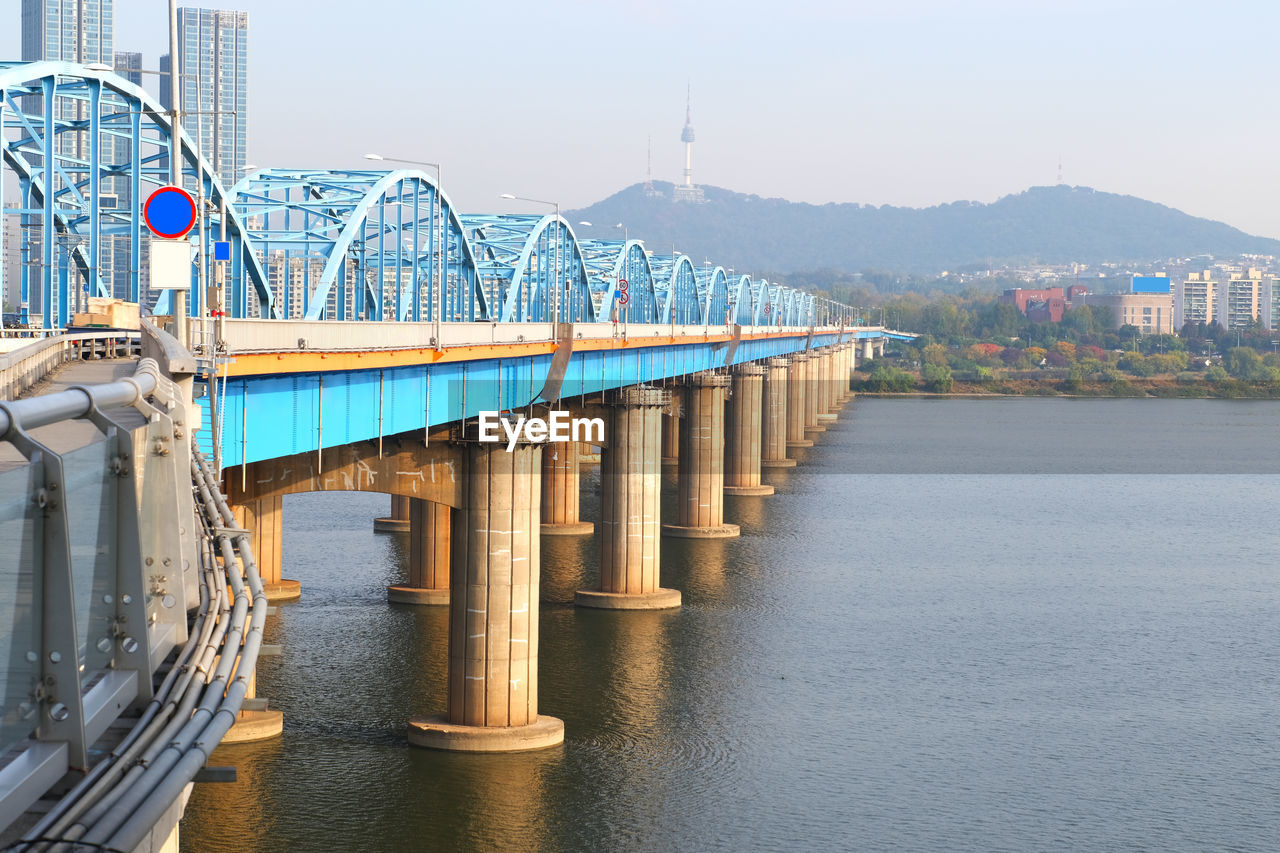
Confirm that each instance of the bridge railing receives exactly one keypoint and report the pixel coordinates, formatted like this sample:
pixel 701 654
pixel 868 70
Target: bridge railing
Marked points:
pixel 22 368
pixel 127 595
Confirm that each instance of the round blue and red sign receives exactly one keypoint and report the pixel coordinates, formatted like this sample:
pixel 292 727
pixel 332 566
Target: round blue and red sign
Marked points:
pixel 170 212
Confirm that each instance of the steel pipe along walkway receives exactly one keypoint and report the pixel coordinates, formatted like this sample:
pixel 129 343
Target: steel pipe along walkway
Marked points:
pixel 125 663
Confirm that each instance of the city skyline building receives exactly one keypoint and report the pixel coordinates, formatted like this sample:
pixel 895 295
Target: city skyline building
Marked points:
pixel 83 32
pixel 214 63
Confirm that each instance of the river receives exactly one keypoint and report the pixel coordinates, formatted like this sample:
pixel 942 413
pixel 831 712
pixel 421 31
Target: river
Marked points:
pixel 960 624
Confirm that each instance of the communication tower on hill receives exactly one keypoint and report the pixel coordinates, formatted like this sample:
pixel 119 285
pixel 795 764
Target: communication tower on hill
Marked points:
pixel 687 191
pixel 650 191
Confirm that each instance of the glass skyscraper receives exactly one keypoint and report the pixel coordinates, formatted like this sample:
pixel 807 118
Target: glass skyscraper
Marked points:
pixel 79 31
pixel 214 64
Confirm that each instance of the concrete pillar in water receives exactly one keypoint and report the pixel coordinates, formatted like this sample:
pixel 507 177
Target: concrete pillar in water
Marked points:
pixel 843 369
pixel 560 490
pixel 670 438
pixel 493 609
pixel 630 514
pixel 868 350
pixel 430 525
pixel 264 519
pixel 254 723
pixel 398 521
pixel 812 393
pixel 700 495
pixel 745 428
pixel 826 385
pixel 773 451
pixel 797 391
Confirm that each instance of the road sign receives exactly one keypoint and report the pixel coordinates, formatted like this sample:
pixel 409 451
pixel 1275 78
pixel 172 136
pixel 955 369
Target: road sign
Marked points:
pixel 170 212
pixel 222 250
pixel 623 284
pixel 623 299
pixel 768 306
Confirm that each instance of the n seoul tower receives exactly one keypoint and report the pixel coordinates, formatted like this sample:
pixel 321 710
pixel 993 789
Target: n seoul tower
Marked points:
pixel 687 191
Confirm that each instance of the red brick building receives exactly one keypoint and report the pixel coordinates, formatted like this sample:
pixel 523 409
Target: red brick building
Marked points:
pixel 1043 306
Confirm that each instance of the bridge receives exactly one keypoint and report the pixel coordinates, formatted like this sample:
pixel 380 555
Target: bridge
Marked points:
pixel 356 338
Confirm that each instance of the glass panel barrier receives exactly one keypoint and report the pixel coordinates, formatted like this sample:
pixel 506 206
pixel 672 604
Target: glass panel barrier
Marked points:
pixel 91 522
pixel 20 588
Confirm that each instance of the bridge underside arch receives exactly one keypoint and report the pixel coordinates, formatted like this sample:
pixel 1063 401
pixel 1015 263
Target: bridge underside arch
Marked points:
pixel 404 467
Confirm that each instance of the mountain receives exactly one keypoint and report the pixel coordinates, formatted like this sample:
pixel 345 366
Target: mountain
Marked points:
pixel 1050 225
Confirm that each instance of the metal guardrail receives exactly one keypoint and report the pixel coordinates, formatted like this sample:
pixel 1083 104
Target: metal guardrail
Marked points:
pixel 116 616
pixel 22 368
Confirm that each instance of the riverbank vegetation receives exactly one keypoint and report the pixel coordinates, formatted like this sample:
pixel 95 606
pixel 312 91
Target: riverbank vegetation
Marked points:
pixel 974 345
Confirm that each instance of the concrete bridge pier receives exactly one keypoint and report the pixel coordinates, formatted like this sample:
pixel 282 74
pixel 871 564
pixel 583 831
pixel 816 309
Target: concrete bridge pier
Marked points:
pixel 827 385
pixel 700 481
pixel 742 453
pixel 398 521
pixel 630 505
pixel 670 438
pixel 868 350
pixel 493 609
pixel 813 394
pixel 560 491
pixel 797 391
pixel 264 519
pixel 773 429
pixel 430 526
pixel 255 721
pixel 843 371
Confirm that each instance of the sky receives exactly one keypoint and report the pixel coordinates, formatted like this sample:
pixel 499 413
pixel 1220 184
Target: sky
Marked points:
pixel 903 102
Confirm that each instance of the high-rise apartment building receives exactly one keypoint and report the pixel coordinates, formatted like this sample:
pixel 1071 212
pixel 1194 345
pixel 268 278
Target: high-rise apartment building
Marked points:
pixel 213 60
pixel 79 31
pixel 1194 300
pixel 1242 294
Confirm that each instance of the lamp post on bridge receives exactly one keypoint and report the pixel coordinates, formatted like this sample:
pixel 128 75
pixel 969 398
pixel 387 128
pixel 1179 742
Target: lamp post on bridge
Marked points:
pixel 555 264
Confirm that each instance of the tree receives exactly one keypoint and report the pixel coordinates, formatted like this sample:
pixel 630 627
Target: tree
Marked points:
pixel 937 378
pixel 935 354
pixel 1245 364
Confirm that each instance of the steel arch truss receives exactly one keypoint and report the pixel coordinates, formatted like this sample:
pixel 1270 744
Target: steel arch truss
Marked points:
pixel 372 245
pixel 86 148
pixel 713 294
pixel 676 285
pixel 521 259
pixel 609 263
pixel 742 302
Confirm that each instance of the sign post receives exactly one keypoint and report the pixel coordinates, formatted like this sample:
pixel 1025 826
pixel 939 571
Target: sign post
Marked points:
pixel 170 213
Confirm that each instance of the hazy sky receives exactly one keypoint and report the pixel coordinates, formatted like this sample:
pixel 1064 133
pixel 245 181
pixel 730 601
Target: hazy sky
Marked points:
pixel 904 102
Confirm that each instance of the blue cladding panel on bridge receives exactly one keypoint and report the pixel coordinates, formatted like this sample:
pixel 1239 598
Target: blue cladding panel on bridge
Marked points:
pixel 282 410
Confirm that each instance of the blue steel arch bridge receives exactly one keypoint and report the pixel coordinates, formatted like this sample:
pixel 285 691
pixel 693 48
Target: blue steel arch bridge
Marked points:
pixel 356 306
pixel 82 150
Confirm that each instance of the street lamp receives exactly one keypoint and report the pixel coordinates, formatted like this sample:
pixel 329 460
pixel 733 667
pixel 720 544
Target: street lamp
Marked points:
pixel 555 264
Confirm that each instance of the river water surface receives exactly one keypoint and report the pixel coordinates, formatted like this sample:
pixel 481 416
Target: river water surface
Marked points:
pixel 1010 624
